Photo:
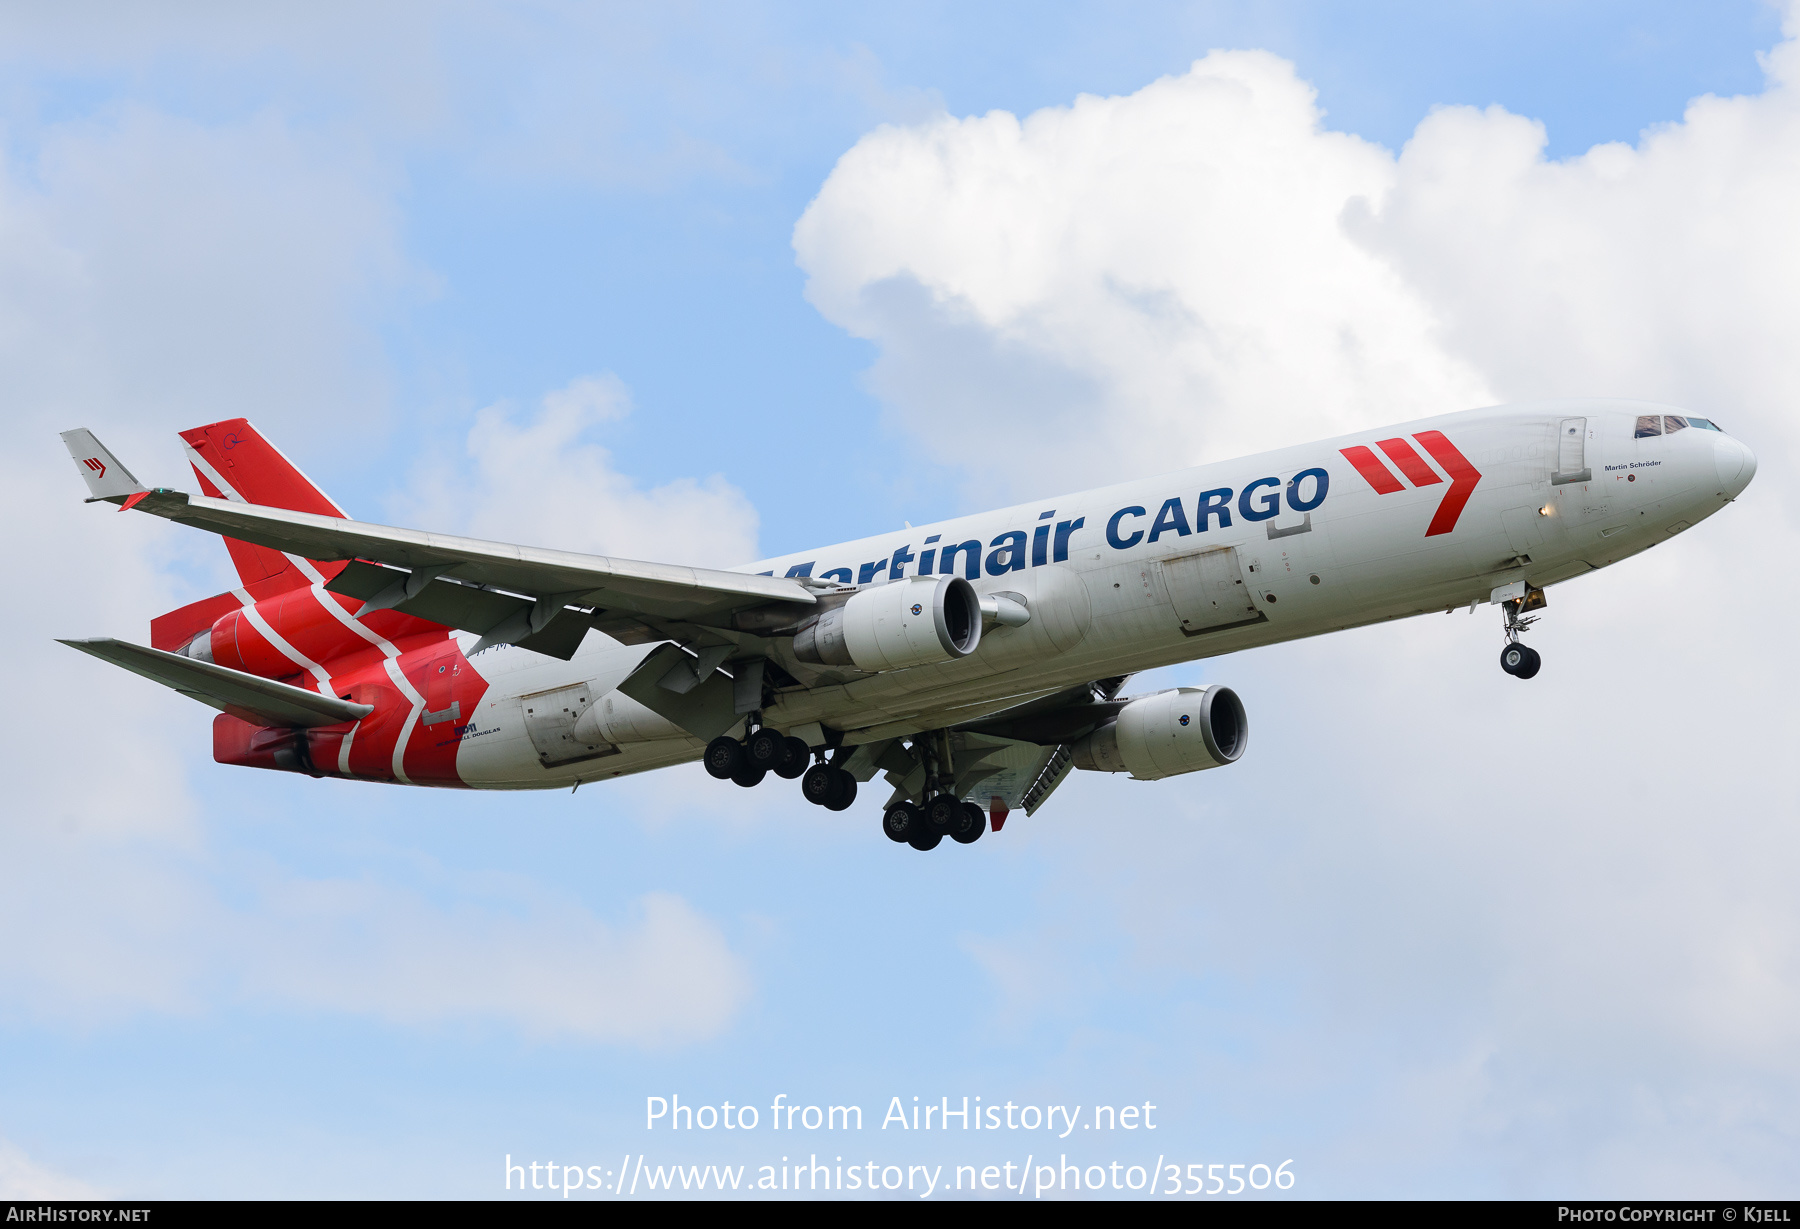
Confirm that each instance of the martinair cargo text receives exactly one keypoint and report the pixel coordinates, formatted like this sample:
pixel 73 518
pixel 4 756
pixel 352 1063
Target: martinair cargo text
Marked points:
pixel 973 663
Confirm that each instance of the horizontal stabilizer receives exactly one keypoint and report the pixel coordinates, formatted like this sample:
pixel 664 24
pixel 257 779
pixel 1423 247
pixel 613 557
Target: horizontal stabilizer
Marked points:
pixel 106 477
pixel 259 701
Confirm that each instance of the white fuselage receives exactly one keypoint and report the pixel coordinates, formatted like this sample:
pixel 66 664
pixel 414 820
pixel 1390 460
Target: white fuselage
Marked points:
pixel 1193 564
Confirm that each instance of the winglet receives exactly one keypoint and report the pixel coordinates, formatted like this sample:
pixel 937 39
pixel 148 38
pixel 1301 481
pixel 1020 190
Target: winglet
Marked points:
pixel 106 477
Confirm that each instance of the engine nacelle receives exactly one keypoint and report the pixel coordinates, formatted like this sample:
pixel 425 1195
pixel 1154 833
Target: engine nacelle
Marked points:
pixel 1169 733
pixel 911 622
pixel 617 718
pixel 301 618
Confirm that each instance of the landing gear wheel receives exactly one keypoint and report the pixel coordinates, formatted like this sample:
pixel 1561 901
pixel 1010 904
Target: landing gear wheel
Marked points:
pixel 1519 661
pixel 819 784
pixel 924 839
pixel 765 749
pixel 846 791
pixel 724 758
pixel 943 815
pixel 794 757
pixel 900 821
pixel 974 823
pixel 749 777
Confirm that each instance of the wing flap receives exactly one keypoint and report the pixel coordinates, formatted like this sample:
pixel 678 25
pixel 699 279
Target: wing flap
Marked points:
pixel 704 708
pixel 257 700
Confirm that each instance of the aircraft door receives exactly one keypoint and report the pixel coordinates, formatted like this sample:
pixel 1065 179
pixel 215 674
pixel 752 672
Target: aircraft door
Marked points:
pixel 1208 591
pixel 1571 452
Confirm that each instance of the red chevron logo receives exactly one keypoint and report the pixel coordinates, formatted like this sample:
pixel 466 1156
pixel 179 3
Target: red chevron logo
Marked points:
pixel 1463 476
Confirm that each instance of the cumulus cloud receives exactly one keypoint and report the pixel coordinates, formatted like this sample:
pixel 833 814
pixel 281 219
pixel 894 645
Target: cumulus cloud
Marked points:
pixel 23 1178
pixel 1665 269
pixel 1463 925
pixel 539 479
pixel 1161 278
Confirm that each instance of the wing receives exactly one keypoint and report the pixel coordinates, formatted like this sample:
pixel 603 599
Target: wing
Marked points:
pixel 259 701
pixel 542 599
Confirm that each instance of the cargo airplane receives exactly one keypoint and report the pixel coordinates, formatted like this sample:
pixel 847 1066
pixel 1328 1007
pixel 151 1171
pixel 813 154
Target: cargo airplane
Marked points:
pixel 974 662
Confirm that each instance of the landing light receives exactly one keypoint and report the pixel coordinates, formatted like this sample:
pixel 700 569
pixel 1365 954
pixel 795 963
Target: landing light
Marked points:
pixel 1545 510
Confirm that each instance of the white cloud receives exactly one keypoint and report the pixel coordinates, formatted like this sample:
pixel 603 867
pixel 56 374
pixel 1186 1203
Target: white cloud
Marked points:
pixel 23 1178
pixel 1537 936
pixel 1154 279
pixel 540 481
pixel 1666 269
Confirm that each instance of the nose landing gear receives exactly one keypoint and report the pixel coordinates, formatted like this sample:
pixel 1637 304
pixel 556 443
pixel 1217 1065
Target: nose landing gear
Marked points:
pixel 1519 661
pixel 1515 658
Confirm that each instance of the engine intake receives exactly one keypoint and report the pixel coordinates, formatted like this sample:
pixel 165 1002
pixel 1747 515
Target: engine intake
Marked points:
pixel 911 622
pixel 1169 733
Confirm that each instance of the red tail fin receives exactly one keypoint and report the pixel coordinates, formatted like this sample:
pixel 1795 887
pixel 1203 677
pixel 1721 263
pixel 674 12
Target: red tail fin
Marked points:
pixel 287 633
pixel 233 461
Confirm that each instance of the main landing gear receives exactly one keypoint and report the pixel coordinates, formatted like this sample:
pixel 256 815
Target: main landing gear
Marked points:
pixel 747 761
pixel 940 813
pixel 923 827
pixel 832 788
pixel 1515 658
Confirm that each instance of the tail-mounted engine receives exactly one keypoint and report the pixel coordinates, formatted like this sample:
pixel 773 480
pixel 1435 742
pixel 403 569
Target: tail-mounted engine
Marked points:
pixel 1169 733
pixel 911 622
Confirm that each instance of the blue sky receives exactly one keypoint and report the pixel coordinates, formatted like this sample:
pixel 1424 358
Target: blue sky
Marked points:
pixel 1405 942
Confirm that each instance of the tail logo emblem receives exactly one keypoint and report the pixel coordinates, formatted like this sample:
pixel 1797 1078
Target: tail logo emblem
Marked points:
pixel 95 464
pixel 1463 476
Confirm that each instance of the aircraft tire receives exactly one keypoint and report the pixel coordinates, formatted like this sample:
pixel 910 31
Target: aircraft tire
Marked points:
pixel 765 748
pixel 749 777
pixel 973 825
pixel 724 758
pixel 795 756
pixel 925 840
pixel 900 821
pixel 845 792
pixel 1533 663
pixel 943 815
pixel 818 785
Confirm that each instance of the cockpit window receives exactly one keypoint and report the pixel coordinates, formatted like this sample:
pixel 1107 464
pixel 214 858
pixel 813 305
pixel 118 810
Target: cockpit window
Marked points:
pixel 1648 425
pixel 1673 423
pixel 1705 424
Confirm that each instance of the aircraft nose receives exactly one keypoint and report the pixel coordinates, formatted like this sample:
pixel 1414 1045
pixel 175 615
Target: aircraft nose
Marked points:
pixel 1736 465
